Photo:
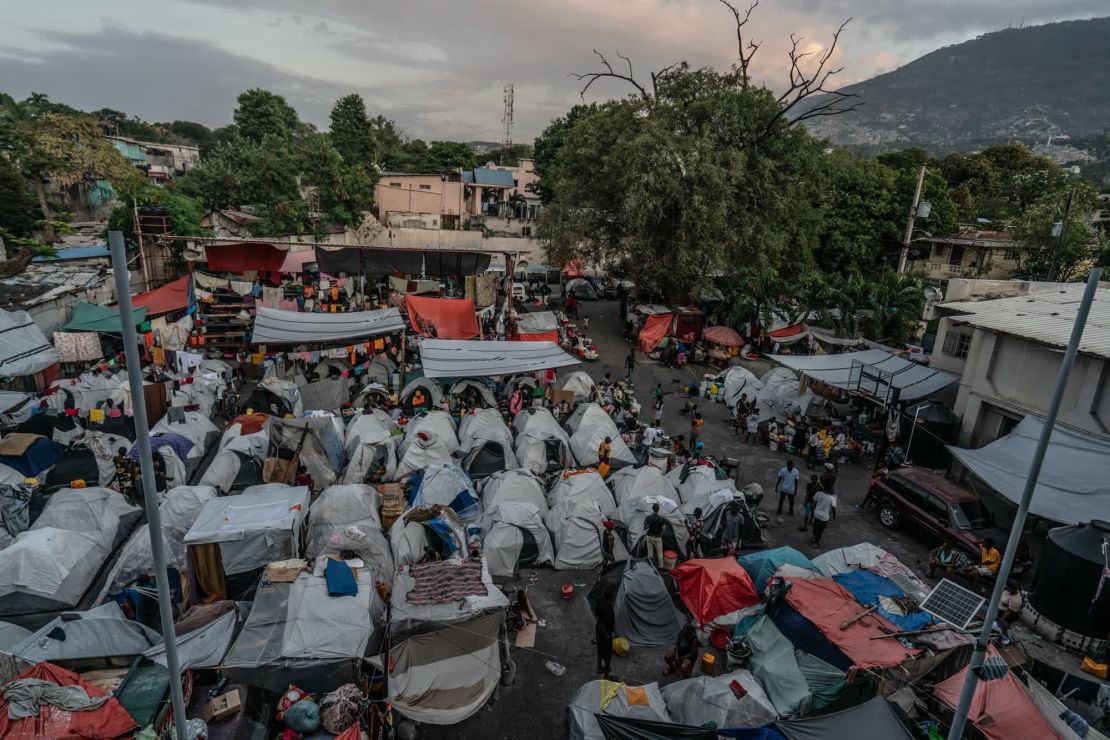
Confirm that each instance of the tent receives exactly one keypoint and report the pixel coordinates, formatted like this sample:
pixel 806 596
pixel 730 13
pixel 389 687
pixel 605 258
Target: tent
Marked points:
pixel 427 449
pixel 275 326
pixel 796 683
pixel 636 490
pixel 696 701
pixel 29 454
pixel 696 482
pixel 468 388
pixel 869 589
pixel 845 559
pixel 873 720
pixel 714 588
pixel 613 699
pixel 739 380
pixel 422 527
pixel 723 336
pixel 446 318
pixel 539 326
pixel 576 527
pixel 202 647
pixel 346 517
pixel 298 633
pixel 446 358
pixel 76 463
pixel 371 449
pixel 656 326
pixel 316 440
pixel 581 486
pixel 580 384
pixel 446 484
pixel 761 565
pixel 433 392
pixel 1072 487
pixel 542 446
pixel 25 350
pixel 173 296
pixel 781 396
pixel 103 319
pixel 870 371
pixel 645 612
pixel 589 425
pixel 485 443
pixel 581 289
pixel 237 463
pixel 107 720
pixel 514 536
pixel 513 487
pixel 97 634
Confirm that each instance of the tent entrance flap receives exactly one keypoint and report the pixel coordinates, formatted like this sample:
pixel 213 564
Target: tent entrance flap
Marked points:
pixel 655 328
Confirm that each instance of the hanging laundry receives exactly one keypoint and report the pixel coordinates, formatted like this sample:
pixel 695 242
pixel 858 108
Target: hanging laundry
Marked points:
pixel 81 346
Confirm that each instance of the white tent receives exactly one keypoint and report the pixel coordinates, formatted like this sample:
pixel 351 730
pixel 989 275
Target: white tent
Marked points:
pixel 203 647
pixel 318 442
pixel 433 391
pixel 584 485
pixel 485 443
pixel 576 528
pixel 514 533
pixel 24 350
pixel 696 701
pixel 589 425
pixel 347 517
pixel 738 381
pixel 587 703
pixel 438 422
pixel 446 484
pixel 460 390
pixel 105 447
pixel 286 390
pixel 423 527
pixel 513 486
pixel 199 430
pixel 427 449
pixel 780 396
pixel 695 484
pixel 371 449
pixel 580 384
pixel 100 633
pixel 366 424
pixel 238 459
pixel 542 446
pixel 636 490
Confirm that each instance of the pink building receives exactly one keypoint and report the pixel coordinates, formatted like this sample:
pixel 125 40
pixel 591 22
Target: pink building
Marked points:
pixel 430 201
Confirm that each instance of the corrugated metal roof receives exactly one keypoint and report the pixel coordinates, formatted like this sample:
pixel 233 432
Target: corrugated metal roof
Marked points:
pixel 913 381
pixel 1045 317
pixel 75 253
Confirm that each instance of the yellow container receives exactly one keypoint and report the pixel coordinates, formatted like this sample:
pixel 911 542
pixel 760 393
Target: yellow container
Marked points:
pixel 708 663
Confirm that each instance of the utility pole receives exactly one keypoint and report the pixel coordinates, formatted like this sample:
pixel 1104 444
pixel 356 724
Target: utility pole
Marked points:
pixel 507 119
pixel 1063 235
pixel 909 221
pixel 980 651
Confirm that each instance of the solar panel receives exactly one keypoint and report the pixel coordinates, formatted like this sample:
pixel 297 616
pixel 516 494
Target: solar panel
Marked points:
pixel 952 603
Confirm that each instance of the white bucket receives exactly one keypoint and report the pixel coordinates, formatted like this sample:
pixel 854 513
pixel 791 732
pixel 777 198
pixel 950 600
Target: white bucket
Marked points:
pixel 773 445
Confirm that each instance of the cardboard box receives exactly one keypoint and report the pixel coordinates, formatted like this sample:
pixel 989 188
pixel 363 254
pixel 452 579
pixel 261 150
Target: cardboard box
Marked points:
pixel 223 706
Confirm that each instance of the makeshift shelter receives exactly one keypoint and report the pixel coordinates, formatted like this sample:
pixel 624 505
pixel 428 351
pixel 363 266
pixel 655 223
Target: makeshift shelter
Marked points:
pixel 873 720
pixel 697 701
pixel 580 384
pixel 656 326
pixel 873 372
pixel 427 449
pixel 589 425
pixel 25 349
pixel 1072 487
pixel 435 422
pixel 432 390
pixel 542 446
pixel 202 646
pixel 872 589
pixel 581 485
pixel 636 491
pixel 796 682
pixel 316 441
pixel 581 289
pixel 485 443
pixel 234 537
pixel 761 565
pixel 446 318
pixel 347 518
pixel 1000 708
pixel 446 484
pixel 299 633
pixel 538 326
pixel 95 635
pixel 712 589
pixel 514 536
pixel 611 699
pixel 276 326
pixel 473 393
pixel 276 397
pixel 697 480
pixel 441 592
pixel 173 296
pixel 714 534
pixel 845 559
pixel 420 528
pixel 102 718
pixel 371 449
pixel 29 454
pixel 513 487
pixel 237 463
pixel 101 319
pixel 646 613
pixel 722 335
pixel 782 397
pixel 577 527
pixel 738 381
pixel 445 358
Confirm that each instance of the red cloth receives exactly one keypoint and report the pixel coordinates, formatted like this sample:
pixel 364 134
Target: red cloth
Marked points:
pixel 655 328
pixel 260 256
pixel 827 604
pixel 1000 709
pixel 250 423
pixel 453 318
pixel 170 297
pixel 723 336
pixel 109 720
pixel 547 336
pixel 711 588
pixel 786 331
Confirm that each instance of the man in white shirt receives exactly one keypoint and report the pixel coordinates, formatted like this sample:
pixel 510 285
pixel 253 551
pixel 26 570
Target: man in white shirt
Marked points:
pixel 651 436
pixel 824 509
pixel 787 485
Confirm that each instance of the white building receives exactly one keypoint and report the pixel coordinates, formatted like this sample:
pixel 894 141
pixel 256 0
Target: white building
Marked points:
pixel 1008 353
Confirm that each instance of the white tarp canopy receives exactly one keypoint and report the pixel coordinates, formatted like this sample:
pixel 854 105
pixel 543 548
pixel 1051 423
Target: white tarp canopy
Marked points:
pixel 274 326
pixel 1073 487
pixel 346 518
pixel 541 444
pixel 257 527
pixel 913 380
pixel 505 528
pixel 472 358
pixel 23 347
pixel 589 425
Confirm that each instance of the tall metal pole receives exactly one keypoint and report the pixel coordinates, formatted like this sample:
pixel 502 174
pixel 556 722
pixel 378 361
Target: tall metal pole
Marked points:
pixel 1061 241
pixel 908 237
pixel 977 657
pixel 146 464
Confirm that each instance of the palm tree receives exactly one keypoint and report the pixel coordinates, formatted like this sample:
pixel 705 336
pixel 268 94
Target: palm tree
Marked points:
pixel 897 302
pixel 754 297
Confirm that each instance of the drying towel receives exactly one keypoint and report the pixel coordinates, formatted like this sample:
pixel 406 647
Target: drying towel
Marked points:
pixel 340 579
pixel 26 696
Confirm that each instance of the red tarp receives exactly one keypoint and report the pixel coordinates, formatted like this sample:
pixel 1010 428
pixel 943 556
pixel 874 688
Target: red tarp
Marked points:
pixel 237 258
pixel 711 588
pixel 787 331
pixel 453 318
pixel 109 720
pixel 1000 709
pixel 723 336
pixel 655 328
pixel 547 336
pixel 574 268
pixel 354 732
pixel 827 604
pixel 170 297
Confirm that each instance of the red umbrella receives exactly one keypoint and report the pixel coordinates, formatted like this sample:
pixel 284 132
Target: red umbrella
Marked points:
pixel 723 335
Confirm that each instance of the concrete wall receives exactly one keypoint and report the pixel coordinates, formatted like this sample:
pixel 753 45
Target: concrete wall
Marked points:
pixel 418 194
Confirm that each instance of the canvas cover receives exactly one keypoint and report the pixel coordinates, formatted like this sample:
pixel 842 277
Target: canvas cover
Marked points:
pixel 696 701
pixel 446 484
pixel 762 565
pixel 580 384
pixel 581 486
pixel 645 613
pixel 697 481
pixel 318 442
pixel 275 326
pixel 542 446
pixel 913 381
pixel 576 527
pixel 474 358
pixel 257 527
pixel 873 720
pixel 711 588
pixel 109 720
pixel 445 318
pixel 346 517
pixel 796 683
pixel 203 647
pixel 444 676
pixel 656 326
pixel 507 529
pixel 438 422
pixel 419 528
pixel 462 389
pixel 511 487
pixel 614 700
pixel 103 632
pixel 589 425
pixel 24 349
pixel 371 449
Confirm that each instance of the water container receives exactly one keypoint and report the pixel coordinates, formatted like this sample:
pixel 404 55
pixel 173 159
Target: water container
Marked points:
pixel 670 557
pixel 708 663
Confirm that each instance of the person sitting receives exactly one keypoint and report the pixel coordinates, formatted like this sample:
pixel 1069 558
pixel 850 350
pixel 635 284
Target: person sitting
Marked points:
pixel 520 611
pixel 681 658
pixel 989 561
pixel 947 558
pixel 418 401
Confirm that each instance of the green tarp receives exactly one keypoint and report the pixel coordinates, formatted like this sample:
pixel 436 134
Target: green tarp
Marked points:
pixel 796 682
pixel 91 317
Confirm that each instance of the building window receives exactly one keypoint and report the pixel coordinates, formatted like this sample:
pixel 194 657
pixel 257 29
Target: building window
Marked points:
pixel 425 187
pixel 956 344
pixel 956 256
pixel 526 231
pixel 394 184
pixel 515 183
pixel 1011 255
pixel 939 251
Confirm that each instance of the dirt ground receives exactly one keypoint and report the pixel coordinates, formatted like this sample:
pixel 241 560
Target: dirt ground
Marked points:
pixel 535 705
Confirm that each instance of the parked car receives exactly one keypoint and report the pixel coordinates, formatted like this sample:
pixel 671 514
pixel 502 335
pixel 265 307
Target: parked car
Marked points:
pixel 926 503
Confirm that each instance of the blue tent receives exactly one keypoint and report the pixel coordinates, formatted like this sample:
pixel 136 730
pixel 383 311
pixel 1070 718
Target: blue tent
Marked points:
pixel 37 457
pixel 866 587
pixel 762 564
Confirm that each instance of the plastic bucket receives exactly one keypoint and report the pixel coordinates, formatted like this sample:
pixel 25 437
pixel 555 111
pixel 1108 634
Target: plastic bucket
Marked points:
pixel 773 445
pixel 670 557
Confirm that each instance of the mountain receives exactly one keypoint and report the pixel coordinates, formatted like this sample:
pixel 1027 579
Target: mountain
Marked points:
pixel 1017 85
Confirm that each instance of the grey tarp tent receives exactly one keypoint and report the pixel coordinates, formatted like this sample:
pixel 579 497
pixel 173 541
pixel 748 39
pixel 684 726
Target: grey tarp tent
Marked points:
pixel 446 484
pixel 696 701
pixel 274 326
pixel 485 443
pixel 579 486
pixel 470 388
pixel 438 422
pixel 100 633
pixel 636 490
pixel 422 527
pixel 697 482
pixel 646 613
pixel 913 381
pixel 589 425
pixel 318 442
pixel 872 720
pixel 203 647
pixel 24 349
pixel 476 358
pixel 587 703
pixel 576 528
pixel 513 486
pixel 513 535
pixel 371 449
pixel 542 446
pixel 346 517
pixel 1073 487
pixel 580 384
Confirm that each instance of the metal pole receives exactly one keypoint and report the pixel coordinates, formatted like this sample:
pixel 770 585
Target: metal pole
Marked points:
pixel 146 463
pixel 977 657
pixel 910 220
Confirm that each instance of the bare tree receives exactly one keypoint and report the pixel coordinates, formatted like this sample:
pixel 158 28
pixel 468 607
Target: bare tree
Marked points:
pixel 592 77
pixel 744 53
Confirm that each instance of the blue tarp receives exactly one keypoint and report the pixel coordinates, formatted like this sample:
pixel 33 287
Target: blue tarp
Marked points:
pixel 767 732
pixel 180 445
pixel 807 638
pixel 761 565
pixel 866 587
pixel 39 455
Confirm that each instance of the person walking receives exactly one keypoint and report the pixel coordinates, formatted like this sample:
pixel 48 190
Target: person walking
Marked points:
pixel 608 540
pixel 650 437
pixel 696 424
pixel 604 628
pixel 751 433
pixel 630 364
pixel 824 509
pixel 654 526
pixel 657 413
pixel 812 487
pixel 693 545
pixel 787 485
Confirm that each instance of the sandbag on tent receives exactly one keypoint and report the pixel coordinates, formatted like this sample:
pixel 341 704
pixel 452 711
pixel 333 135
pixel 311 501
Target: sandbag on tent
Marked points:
pixel 446 484
pixel 576 527
pixel 711 589
pixel 636 490
pixel 696 701
pixel 645 613
pixel 542 446
pixel 761 566
pixel 582 485
pixel 433 392
pixel 346 517
pixel 589 425
pixel 100 633
pixel 697 480
pixel 715 534
pixel 473 393
pixel 873 720
pixel 371 449
pixel 437 422
pixel 580 384
pixel 513 486
pixel 423 527
pixel 614 700
pixel 485 443
pixel 427 449
pixel 514 536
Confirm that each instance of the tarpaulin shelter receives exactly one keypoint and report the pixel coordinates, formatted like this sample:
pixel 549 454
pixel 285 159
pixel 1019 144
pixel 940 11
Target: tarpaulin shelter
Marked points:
pixel 580 288
pixel 723 336
pixel 29 454
pixel 100 633
pixel 696 481
pixel 1072 487
pixel 656 326
pixel 24 349
pixel 447 358
pixel 645 612
pixel 347 518
pixel 437 422
pixel 238 257
pixel 432 390
pixel 873 720
pixel 513 487
pixel 761 565
pixel 542 446
pixel 782 397
pixel 580 384
pixel 275 326
pixel 714 588
pixel 371 449
pixel 446 484
pixel 103 319
pixel 912 380
pixel 202 647
pixel 446 318
pixel 589 425
pixel 426 449
pixel 636 491
pixel 173 296
pixel 613 699
pixel 422 527
pixel 868 589
pixel 576 527
pixel 473 393
pixel 1000 709
pixel 108 720
pixel 379 262
pixel 796 682
pixel 538 326
pixel 317 441
pixel 739 381
pixel 581 485
pixel 696 701
pixel 514 536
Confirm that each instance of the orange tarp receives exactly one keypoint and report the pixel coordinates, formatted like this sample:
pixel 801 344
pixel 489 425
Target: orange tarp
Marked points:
pixel 655 328
pixel 452 318
pixel 170 297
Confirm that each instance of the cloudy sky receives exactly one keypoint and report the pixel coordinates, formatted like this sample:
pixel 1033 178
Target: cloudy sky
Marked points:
pixel 438 66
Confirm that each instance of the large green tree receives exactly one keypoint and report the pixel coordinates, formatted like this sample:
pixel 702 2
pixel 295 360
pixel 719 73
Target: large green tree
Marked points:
pixel 261 113
pixel 1059 243
pixel 444 156
pixel 351 132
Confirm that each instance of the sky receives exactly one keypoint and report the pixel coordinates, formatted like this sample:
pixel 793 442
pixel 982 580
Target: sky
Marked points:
pixel 438 67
